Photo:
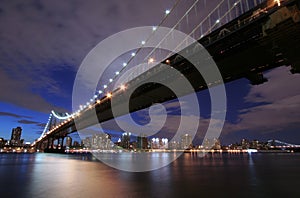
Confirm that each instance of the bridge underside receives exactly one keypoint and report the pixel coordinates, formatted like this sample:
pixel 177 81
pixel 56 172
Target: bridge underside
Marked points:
pixel 245 51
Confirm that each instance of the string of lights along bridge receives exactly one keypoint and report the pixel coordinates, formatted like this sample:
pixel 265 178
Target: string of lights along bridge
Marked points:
pixel 225 19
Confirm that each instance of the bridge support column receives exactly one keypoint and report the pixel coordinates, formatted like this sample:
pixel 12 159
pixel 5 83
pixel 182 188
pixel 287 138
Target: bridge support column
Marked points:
pixel 38 146
pixel 58 143
pixel 62 143
pixel 52 143
pixel 48 143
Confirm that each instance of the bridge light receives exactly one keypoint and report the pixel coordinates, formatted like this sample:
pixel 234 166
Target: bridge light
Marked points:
pixel 122 87
pixel 151 60
pixel 168 61
pixel 117 73
pixel 91 100
pixel 110 80
pixel 124 64
pixel 277 1
pixel 132 54
pixel 95 96
pixel 104 86
pixel 109 95
pixel 218 21
pixel 98 101
pixel 167 12
pixel 154 28
pixel 235 3
pixel 143 42
pixel 100 92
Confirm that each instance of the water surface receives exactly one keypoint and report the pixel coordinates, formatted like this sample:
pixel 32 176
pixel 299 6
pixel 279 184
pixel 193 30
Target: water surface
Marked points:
pixel 216 175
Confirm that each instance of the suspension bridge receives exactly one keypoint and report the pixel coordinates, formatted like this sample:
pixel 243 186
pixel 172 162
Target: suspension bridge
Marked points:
pixel 281 144
pixel 244 38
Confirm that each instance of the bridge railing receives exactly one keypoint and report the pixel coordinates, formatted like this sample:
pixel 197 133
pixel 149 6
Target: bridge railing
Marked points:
pixel 224 12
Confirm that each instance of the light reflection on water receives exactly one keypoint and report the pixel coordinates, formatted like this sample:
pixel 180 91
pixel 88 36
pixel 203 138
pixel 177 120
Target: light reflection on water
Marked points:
pixel 236 175
pixel 137 162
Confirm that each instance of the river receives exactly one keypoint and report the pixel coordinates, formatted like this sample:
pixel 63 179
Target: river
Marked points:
pixel 215 175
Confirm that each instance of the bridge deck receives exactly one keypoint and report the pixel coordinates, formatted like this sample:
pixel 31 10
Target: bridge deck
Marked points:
pixel 247 49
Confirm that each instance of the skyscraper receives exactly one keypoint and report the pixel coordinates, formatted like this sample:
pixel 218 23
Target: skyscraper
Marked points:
pixel 125 140
pixel 142 142
pixel 186 141
pixel 68 141
pixel 15 139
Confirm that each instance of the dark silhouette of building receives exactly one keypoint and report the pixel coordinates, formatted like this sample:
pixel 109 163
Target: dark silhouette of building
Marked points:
pixel 15 139
pixel 68 141
pixel 2 142
pixel 142 142
pixel 125 140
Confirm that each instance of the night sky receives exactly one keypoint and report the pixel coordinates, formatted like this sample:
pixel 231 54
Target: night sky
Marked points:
pixel 44 42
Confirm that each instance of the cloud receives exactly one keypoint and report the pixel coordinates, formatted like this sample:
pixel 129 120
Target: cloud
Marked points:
pixel 18 93
pixel 39 125
pixel 274 105
pixel 27 122
pixel 282 85
pixel 13 115
pixel 42 125
pixel 43 42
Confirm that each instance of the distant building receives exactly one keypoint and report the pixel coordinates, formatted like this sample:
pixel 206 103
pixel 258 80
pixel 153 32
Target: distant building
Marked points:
pixel 208 143
pixel 186 141
pixel 142 142
pixel 245 144
pixel 159 143
pixel 125 140
pixel 217 144
pixel 101 141
pixel 86 142
pixel 15 139
pixel 68 141
pixel 76 144
pixel 2 142
pixel 174 145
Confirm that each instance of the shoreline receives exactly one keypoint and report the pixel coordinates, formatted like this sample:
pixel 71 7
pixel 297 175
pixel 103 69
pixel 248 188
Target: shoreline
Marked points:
pixel 84 151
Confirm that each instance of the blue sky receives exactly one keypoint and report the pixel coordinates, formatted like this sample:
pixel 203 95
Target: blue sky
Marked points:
pixel 44 42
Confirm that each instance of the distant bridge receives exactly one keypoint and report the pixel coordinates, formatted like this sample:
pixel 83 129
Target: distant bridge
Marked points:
pixel 284 144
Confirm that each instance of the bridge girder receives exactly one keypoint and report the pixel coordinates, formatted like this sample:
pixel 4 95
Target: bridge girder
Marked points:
pixel 245 50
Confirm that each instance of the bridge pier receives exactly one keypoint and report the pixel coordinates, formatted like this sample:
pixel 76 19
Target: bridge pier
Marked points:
pixel 50 143
pixel 61 142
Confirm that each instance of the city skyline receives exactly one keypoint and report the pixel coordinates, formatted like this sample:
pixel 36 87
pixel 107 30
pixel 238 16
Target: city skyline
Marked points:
pixel 36 79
